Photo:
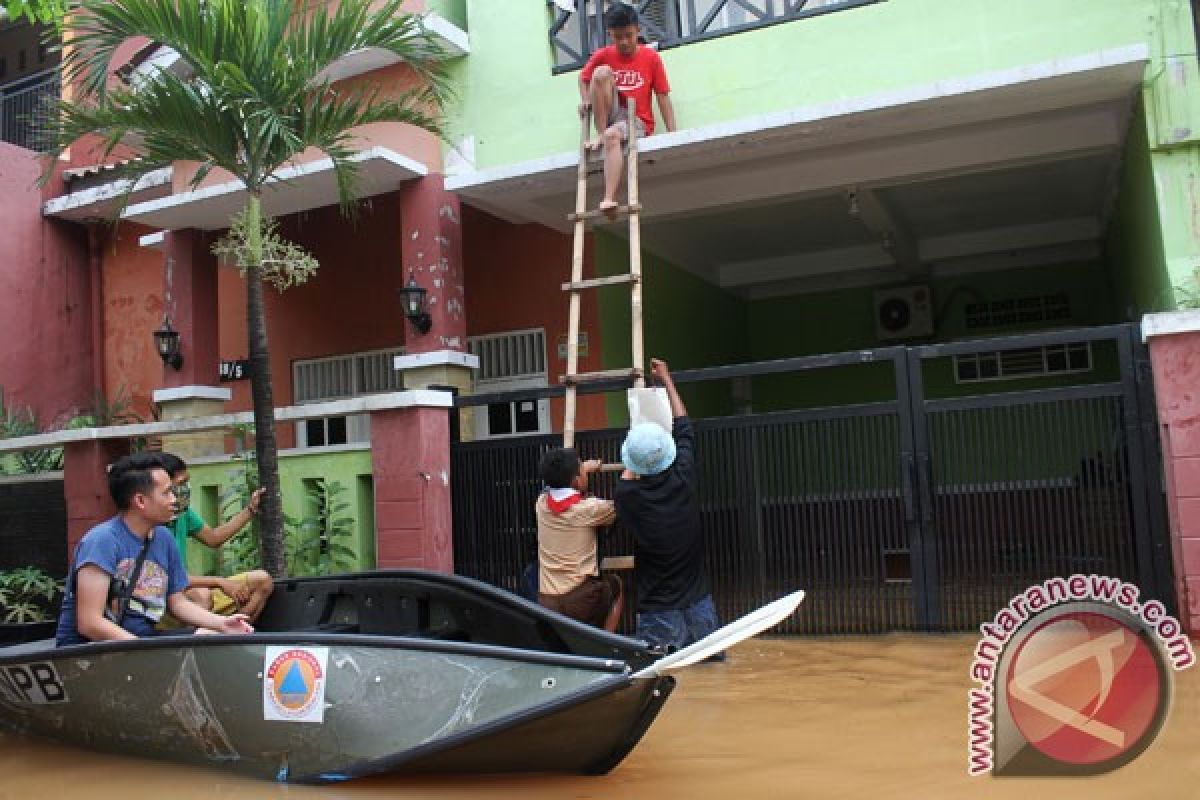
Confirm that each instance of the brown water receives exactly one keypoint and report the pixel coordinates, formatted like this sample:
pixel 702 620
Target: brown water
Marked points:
pixel 790 718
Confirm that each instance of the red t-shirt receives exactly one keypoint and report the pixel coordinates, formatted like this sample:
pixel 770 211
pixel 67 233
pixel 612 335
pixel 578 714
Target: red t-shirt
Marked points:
pixel 637 77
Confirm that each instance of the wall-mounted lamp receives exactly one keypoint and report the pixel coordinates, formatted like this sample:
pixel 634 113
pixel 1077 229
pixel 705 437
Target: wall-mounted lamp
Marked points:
pixel 412 297
pixel 166 341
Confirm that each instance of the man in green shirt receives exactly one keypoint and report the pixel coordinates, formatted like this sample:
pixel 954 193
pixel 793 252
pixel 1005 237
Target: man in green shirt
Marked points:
pixel 244 593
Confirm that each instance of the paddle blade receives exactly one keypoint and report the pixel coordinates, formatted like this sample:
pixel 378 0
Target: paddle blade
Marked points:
pixel 727 636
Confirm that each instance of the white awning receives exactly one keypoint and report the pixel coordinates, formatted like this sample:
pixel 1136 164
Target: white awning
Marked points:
pixel 299 188
pixel 102 202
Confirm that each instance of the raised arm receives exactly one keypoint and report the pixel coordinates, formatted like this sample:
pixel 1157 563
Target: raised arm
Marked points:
pixel 215 537
pixel 659 369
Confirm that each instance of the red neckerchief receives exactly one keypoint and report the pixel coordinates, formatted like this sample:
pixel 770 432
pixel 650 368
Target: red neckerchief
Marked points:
pixel 559 506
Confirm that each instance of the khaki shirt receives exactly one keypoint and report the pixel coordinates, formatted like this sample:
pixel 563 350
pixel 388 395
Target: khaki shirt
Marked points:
pixel 567 543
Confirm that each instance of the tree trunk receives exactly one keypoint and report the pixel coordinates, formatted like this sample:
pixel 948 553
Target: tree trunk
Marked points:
pixel 271 508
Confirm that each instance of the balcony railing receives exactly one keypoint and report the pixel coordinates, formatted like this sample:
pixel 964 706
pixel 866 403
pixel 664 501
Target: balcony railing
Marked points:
pixel 574 35
pixel 21 107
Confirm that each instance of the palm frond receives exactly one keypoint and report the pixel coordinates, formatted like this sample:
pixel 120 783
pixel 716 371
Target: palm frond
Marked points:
pixel 253 97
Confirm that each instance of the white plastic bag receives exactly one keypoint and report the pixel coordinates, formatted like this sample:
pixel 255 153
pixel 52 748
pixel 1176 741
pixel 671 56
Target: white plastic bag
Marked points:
pixel 649 405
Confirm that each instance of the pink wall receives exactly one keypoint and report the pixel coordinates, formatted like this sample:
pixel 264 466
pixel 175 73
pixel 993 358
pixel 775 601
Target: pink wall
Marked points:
pixel 45 299
pixel 133 309
pixel 1176 365
pixel 352 304
pixel 514 276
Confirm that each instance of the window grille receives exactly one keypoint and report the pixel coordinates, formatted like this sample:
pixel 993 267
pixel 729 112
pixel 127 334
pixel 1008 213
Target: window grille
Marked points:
pixel 1030 362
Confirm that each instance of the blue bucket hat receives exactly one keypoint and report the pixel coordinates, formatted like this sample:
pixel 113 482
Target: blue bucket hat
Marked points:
pixel 648 449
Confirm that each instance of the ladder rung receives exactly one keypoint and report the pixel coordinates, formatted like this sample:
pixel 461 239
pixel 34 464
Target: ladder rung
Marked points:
pixel 596 282
pixel 616 562
pixel 614 213
pixel 604 375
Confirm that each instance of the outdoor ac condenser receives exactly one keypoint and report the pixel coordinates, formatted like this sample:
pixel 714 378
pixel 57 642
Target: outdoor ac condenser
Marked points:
pixel 904 312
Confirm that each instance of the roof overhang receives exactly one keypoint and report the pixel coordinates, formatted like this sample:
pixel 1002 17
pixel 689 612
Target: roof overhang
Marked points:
pixel 104 201
pixel 299 188
pixel 452 39
pixel 841 143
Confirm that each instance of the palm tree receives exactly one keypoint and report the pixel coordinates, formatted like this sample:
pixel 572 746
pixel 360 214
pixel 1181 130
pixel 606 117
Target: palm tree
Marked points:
pixel 251 99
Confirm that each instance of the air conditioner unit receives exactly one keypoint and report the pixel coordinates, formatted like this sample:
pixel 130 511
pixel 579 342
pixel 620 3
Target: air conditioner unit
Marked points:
pixel 905 312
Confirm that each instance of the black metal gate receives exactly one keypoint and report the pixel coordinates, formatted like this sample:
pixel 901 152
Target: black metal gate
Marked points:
pixel 925 506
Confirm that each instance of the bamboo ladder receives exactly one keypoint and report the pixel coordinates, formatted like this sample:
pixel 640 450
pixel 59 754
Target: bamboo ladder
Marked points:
pixel 632 210
pixel 573 378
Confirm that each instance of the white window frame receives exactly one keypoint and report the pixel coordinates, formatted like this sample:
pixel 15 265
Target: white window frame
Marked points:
pixel 1045 370
pixel 510 383
pixel 358 426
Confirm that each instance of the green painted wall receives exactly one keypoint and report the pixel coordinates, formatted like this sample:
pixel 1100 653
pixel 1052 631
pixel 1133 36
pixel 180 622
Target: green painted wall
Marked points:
pixel 211 482
pixel 839 321
pixel 688 321
pixel 506 82
pixel 1171 100
pixel 453 10
pixel 1134 247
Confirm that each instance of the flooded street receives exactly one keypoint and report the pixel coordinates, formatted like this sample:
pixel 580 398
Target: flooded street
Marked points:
pixel 788 718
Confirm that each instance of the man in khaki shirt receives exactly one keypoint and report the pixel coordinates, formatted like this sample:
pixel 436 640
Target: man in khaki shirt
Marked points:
pixel 568 575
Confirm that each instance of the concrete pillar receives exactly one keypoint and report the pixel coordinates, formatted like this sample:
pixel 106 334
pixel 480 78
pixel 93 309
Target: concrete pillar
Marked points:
pixel 1174 343
pixel 441 369
pixel 185 402
pixel 190 295
pixel 431 249
pixel 410 459
pixel 85 485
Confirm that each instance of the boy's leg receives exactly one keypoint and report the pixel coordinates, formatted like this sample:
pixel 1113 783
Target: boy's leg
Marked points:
pixel 662 628
pixel 615 602
pixel 605 102
pixel 602 93
pixel 702 620
pixel 261 586
pixel 201 597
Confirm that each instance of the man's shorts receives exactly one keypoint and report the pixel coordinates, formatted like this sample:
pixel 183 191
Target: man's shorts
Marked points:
pixel 223 604
pixel 678 627
pixel 589 602
pixel 619 115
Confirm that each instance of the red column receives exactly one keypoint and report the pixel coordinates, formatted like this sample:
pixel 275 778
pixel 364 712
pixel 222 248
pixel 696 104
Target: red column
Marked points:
pixel 190 293
pixel 431 247
pixel 410 457
pixel 85 485
pixel 1176 364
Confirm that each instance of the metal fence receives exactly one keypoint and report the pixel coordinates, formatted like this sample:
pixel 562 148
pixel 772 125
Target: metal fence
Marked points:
pixel 33 523
pixel 925 510
pixel 574 35
pixel 22 105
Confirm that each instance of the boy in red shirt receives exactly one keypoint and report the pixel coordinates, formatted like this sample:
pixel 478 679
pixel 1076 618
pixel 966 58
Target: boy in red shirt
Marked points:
pixel 622 70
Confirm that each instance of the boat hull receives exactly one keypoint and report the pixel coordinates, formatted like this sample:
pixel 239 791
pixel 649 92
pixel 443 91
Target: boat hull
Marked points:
pixel 362 708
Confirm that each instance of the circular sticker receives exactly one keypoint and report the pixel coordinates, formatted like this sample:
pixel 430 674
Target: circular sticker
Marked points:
pixel 1086 688
pixel 293 682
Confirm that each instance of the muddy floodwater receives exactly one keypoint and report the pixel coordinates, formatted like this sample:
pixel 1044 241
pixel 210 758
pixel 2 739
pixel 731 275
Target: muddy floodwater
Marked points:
pixel 874 718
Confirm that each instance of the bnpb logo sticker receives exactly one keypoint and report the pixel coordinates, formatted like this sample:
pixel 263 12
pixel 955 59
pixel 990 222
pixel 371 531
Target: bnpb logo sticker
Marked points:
pixel 294 683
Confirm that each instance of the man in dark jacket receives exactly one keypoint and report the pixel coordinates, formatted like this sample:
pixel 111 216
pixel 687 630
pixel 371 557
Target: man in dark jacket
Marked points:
pixel 657 500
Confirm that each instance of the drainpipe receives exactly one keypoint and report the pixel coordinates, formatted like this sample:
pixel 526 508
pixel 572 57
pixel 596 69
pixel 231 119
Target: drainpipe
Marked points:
pixel 96 284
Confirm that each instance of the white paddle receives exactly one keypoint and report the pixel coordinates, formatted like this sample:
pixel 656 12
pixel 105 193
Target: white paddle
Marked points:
pixel 725 637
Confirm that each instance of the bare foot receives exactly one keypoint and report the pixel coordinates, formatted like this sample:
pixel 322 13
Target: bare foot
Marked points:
pixel 609 208
pixel 593 145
